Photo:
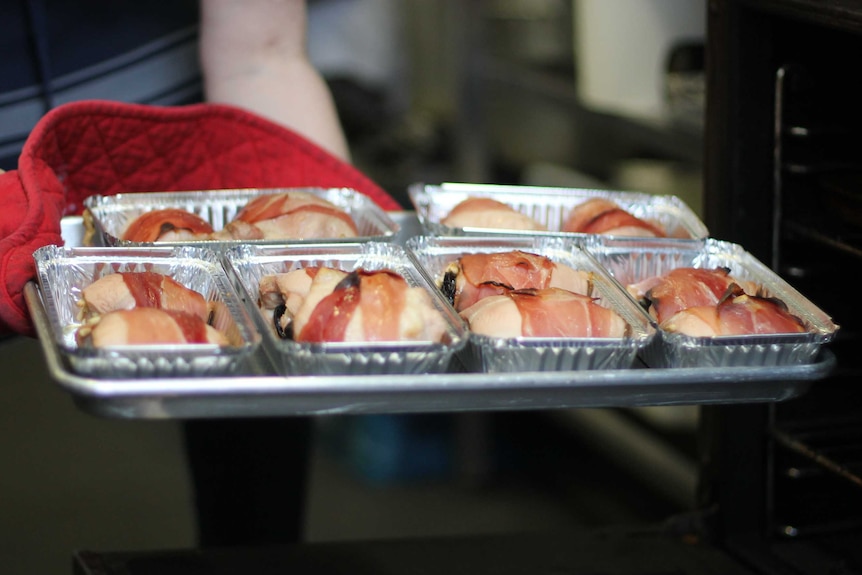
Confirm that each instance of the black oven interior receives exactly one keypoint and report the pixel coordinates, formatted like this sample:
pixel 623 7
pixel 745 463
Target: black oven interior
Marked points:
pixel 784 178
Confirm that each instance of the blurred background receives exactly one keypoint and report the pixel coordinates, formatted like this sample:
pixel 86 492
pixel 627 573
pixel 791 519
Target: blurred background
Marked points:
pixel 575 93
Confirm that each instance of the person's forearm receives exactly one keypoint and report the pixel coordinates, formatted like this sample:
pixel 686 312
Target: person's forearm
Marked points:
pixel 253 55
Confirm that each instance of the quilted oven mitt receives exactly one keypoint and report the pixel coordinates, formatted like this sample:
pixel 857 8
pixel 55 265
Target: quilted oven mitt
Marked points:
pixel 102 147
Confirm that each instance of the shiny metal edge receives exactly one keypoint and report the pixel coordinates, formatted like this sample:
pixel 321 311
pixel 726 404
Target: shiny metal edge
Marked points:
pixel 105 210
pixel 260 395
pixel 548 206
pixel 637 259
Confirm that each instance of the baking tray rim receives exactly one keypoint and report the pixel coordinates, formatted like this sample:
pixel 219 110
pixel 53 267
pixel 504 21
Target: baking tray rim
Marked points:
pixel 796 378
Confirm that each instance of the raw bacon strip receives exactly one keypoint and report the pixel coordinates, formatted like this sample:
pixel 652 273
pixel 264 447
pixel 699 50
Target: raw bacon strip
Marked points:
pixel 127 290
pixel 148 326
pixel 489 213
pixel 475 276
pixel 167 225
pixel 600 216
pixel 737 314
pixel 549 312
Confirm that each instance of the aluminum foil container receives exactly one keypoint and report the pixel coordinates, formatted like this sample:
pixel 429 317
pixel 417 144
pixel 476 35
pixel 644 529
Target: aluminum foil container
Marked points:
pixel 64 272
pixel 631 261
pixel 549 207
pixel 111 215
pixel 248 264
pixel 496 355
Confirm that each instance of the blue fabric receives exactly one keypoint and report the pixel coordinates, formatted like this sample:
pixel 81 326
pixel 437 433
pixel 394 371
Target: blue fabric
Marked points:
pixel 82 33
pixel 53 51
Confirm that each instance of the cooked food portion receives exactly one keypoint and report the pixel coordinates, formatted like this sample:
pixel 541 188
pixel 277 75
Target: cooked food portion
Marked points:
pixel 142 308
pixel 548 312
pixel 736 314
pixel 291 215
pixel 291 288
pixel 601 216
pixel 167 225
pixel 127 290
pixel 148 326
pixel 321 304
pixel 711 302
pixel 479 212
pixel 475 276
pixel 684 287
pixel 285 293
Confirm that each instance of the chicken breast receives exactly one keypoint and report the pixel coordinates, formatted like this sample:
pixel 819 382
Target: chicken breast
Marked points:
pixel 365 306
pixel 549 312
pixel 148 326
pixel 738 314
pixel 685 287
pixel 167 225
pixel 601 216
pixel 489 213
pixel 291 215
pixel 475 276
pixel 127 290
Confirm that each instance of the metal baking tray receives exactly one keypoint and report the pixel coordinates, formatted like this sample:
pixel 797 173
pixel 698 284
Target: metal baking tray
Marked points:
pixel 112 214
pixel 549 207
pixel 631 261
pixel 489 354
pixel 257 392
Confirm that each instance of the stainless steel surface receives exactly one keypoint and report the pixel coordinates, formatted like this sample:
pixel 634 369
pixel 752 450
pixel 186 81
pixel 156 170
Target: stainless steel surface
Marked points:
pixel 549 206
pixel 259 393
pixel 631 261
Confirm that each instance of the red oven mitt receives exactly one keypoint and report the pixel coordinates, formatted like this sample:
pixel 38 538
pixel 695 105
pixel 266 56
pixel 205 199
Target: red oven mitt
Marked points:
pixel 101 147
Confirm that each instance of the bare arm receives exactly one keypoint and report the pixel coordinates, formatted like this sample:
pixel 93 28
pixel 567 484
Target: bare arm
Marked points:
pixel 253 55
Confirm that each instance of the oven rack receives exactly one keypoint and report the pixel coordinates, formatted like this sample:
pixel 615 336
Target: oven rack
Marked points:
pixel 834 447
pixel 812 145
pixel 819 474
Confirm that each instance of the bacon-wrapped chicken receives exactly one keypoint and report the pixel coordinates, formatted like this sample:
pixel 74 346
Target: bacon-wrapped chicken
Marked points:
pixel 601 216
pixel 321 304
pixel 127 290
pixel 148 326
pixel 685 287
pixel 736 314
pixel 167 225
pixel 290 215
pixel 476 212
pixel 475 276
pixel 548 312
